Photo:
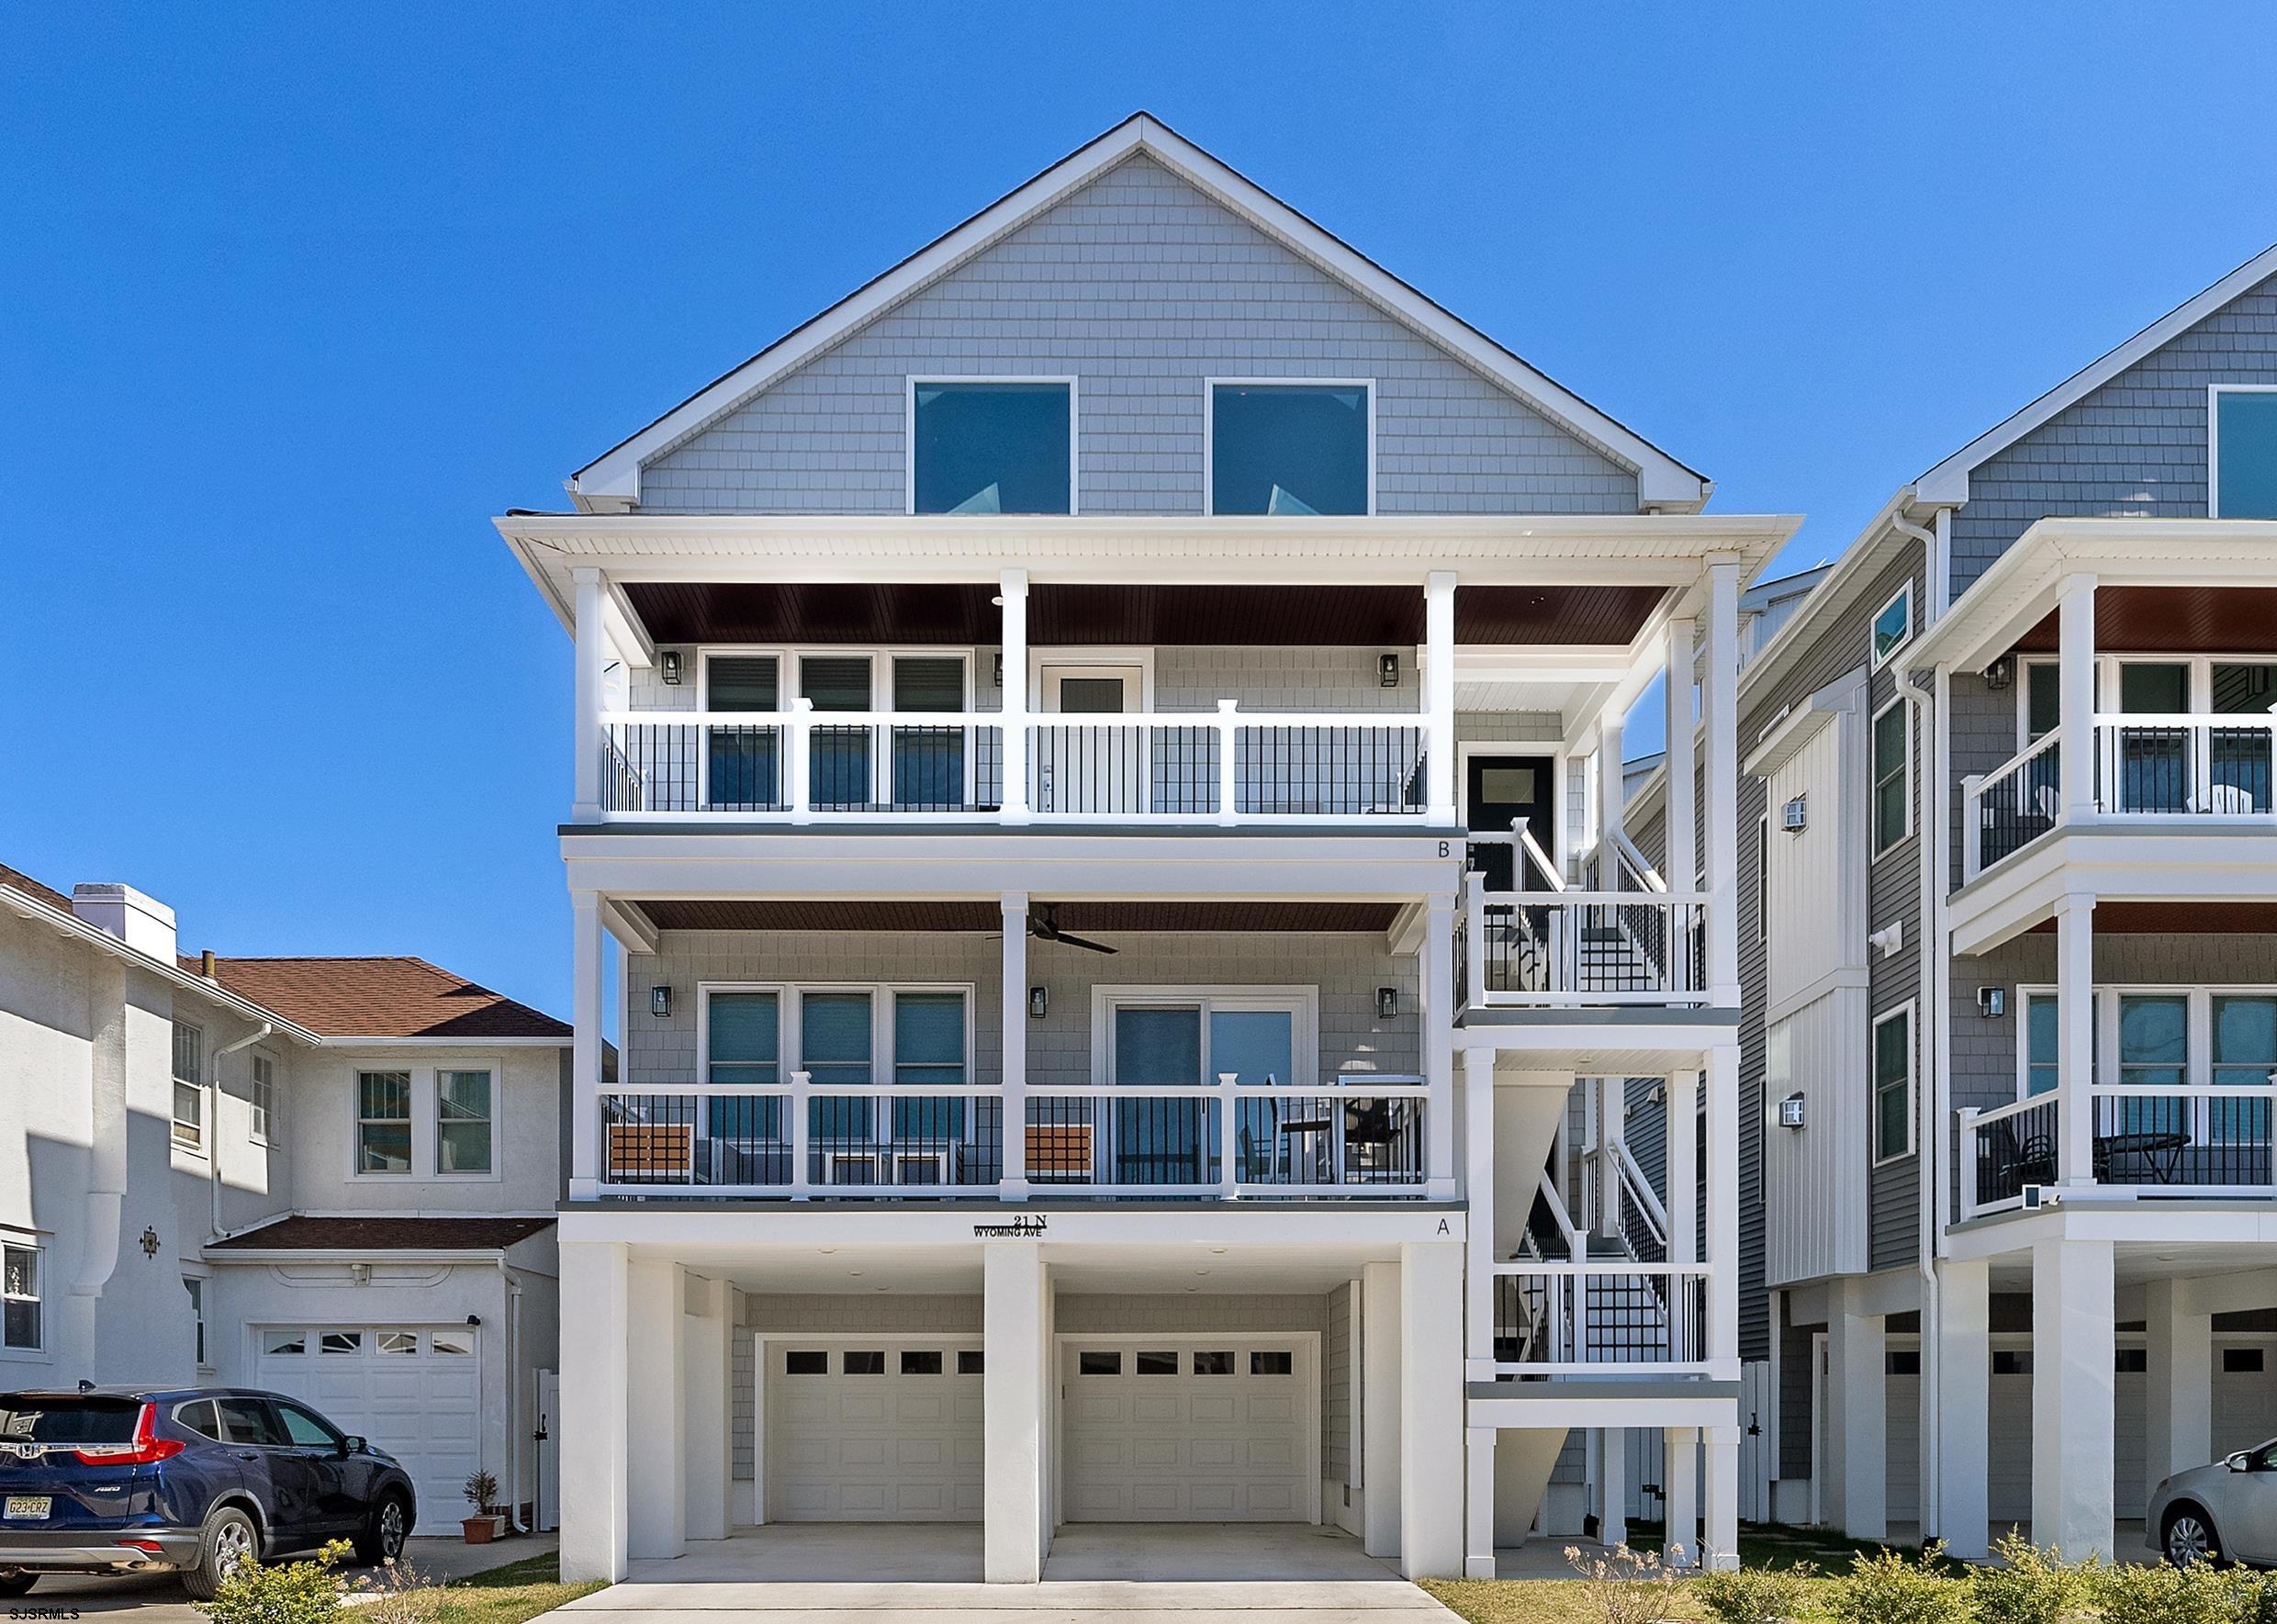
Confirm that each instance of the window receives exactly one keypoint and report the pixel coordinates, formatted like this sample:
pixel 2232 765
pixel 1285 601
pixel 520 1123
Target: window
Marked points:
pixel 341 1342
pixel 806 1362
pixel 2154 688
pixel 1158 1363
pixel 2012 1362
pixel 741 763
pixel 383 1122
pixel 1894 624
pixel 398 1342
pixel 285 1342
pixel 837 1045
pixel 920 1361
pixel 263 1099
pixel 1893 776
pixel 305 1430
pixel 450 1342
pixel 19 1297
pixel 999 445
pixel 1901 1362
pixel 197 1288
pixel 199 1418
pixel 2130 1361
pixel 1217 1363
pixel 1291 448
pixel 189 1076
pixel 1894 1085
pixel 972 1361
pixel 862 1363
pixel 2242 1361
pixel 2043 1026
pixel 929 762
pixel 252 1421
pixel 1273 1361
pixel 838 760
pixel 929 1051
pixel 462 1121
pixel 2245 1055
pixel 2154 1053
pixel 2241 453
pixel 2043 699
pixel 743 1037
pixel 1102 1362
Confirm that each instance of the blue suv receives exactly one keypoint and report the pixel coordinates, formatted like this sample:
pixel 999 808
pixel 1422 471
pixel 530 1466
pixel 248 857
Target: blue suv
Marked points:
pixel 196 1480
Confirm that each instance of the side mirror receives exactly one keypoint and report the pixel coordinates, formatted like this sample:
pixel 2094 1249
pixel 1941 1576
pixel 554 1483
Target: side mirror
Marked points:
pixel 2237 1461
pixel 354 1445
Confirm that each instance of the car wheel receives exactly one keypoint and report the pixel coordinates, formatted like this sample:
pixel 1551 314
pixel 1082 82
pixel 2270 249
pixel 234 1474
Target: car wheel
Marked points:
pixel 18 1583
pixel 227 1540
pixel 383 1531
pixel 2188 1537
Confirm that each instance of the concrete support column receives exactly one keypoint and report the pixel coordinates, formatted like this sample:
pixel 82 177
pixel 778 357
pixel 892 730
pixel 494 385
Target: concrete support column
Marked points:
pixel 2075 1039
pixel 707 1365
pixel 2075 679
pixel 655 1413
pixel 588 993
pixel 1612 1486
pixel 591 661
pixel 1963 1420
pixel 1858 1439
pixel 1676 863
pixel 1437 982
pixel 2073 1394
pixel 1380 1404
pixel 1720 1540
pixel 1013 594
pixel 1430 1410
pixel 1439 695
pixel 2179 1396
pixel 1478 1190
pixel 594 1389
pixel 1478 1504
pixel 1723 791
pixel 1013 1384
pixel 1680 1495
pixel 1012 1015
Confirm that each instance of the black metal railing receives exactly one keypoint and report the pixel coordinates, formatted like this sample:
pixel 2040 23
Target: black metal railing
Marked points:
pixel 1336 771
pixel 2020 805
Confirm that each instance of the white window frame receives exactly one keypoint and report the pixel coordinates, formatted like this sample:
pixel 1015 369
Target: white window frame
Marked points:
pixel 909 434
pixel 1905 1012
pixel 202 1351
pixel 261 1097
pixel 2198 1040
pixel 199 1130
pixel 1876 657
pixel 789 1026
pixel 2214 437
pixel 1301 1002
pixel 490 1120
pixel 19 1242
pixel 881 657
pixel 1210 429
pixel 1874 780
pixel 357 1120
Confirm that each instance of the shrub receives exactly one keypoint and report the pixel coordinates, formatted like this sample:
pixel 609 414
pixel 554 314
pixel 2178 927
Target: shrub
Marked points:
pixel 1757 1595
pixel 1625 1587
pixel 290 1592
pixel 2195 1595
pixel 481 1490
pixel 2031 1587
pixel 1888 1589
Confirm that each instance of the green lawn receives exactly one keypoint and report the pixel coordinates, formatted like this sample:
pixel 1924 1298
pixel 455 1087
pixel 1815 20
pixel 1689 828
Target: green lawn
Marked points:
pixel 509 1594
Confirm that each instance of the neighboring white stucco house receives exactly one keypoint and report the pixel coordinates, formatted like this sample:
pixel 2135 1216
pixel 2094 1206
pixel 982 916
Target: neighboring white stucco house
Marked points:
pixel 328 1177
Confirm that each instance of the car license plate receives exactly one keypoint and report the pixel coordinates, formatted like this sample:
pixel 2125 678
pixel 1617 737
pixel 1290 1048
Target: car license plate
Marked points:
pixel 21 1506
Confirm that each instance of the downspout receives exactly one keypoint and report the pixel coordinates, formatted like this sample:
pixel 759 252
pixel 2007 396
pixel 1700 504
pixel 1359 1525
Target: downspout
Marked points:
pixel 213 1122
pixel 107 1149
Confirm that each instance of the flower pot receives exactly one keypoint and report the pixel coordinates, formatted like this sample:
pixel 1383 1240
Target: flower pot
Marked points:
pixel 481 1530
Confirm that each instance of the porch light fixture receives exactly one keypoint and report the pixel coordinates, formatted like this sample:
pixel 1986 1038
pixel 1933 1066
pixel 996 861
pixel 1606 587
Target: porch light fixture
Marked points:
pixel 1387 671
pixel 671 663
pixel 660 1001
pixel 1991 1002
pixel 997 668
pixel 1038 1003
pixel 1386 1003
pixel 1790 1113
pixel 2000 674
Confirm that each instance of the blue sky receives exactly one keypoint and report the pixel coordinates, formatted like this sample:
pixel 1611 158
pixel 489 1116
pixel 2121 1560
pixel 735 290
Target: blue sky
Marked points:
pixel 292 299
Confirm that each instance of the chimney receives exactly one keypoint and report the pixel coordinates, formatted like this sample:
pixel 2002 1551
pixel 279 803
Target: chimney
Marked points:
pixel 144 923
pixel 206 965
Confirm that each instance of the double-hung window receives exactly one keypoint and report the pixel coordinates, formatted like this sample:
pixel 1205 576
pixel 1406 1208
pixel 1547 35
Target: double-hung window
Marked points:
pixel 743 763
pixel 189 1077
pixel 2242 453
pixel 462 1121
pixel 1294 448
pixel 1894 1085
pixel 2154 1054
pixel 992 446
pixel 21 1300
pixel 262 1100
pixel 929 760
pixel 383 1122
pixel 1893 775
pixel 743 1045
pixel 837 1043
pixel 2245 1055
pixel 928 1052
pixel 838 759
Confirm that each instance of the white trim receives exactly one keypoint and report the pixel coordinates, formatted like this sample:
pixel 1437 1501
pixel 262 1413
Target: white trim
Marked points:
pixel 1211 387
pixel 272 1114
pixel 1949 481
pixel 1909 1012
pixel 1090 661
pixel 425 1120
pixel 909 429
pixel 1301 1002
pixel 612 479
pixel 1551 750
pixel 1878 847
pixel 1876 657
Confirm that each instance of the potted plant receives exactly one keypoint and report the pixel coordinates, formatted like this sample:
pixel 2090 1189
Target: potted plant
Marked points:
pixel 488 1522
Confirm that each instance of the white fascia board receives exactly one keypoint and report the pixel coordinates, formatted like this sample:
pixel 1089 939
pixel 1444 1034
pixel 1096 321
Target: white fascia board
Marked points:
pixel 442 1042
pixel 486 1258
pixel 1947 484
pixel 1845 581
pixel 628 926
pixel 2189 858
pixel 2121 1221
pixel 731 1230
pixel 1785 741
pixel 612 479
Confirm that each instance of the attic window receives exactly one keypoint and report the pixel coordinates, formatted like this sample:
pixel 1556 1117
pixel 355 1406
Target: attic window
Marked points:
pixel 1291 449
pixel 1000 445
pixel 2242 454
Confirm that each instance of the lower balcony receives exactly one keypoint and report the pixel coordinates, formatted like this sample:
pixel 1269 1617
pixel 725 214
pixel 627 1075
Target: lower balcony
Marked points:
pixel 2185 1142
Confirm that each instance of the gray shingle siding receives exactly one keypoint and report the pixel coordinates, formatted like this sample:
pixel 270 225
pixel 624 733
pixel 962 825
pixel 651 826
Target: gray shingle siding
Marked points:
pixel 1893 897
pixel 2133 448
pixel 1755 1303
pixel 1140 286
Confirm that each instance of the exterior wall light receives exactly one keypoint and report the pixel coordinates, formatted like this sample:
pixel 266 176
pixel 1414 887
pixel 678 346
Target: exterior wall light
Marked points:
pixel 1387 1002
pixel 660 1001
pixel 1387 671
pixel 1991 1002
pixel 671 664
pixel 1038 1003
pixel 2000 673
pixel 1791 1111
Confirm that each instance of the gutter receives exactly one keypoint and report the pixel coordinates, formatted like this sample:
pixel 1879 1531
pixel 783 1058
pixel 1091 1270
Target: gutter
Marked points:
pixel 213 1121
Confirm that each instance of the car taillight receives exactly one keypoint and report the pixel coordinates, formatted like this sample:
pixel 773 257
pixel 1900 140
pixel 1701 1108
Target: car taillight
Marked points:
pixel 147 1450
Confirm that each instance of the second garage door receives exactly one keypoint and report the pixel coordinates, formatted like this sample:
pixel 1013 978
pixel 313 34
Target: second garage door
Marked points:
pixel 873 1431
pixel 415 1392
pixel 1164 1430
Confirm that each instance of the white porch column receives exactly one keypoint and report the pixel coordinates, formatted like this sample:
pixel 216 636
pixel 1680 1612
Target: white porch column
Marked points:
pixel 707 1364
pixel 1013 1384
pixel 1478 1502
pixel 1680 1491
pixel 1723 788
pixel 2072 1396
pixel 1720 1539
pixel 1858 1464
pixel 2075 640
pixel 656 1412
pixel 1379 1409
pixel 1013 649
pixel 1437 982
pixel 2075 1039
pixel 587 995
pixel 1963 1355
pixel 1723 1112
pixel 1612 1486
pixel 1613 797
pixel 591 657
pixel 1612 1104
pixel 1676 865
pixel 1013 1013
pixel 2179 1397
pixel 1478 1190
pixel 1682 1092
pixel 594 1389
pixel 1431 1405
pixel 1438 695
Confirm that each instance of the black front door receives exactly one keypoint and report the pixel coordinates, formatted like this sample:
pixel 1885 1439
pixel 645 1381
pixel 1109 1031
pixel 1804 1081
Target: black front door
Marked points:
pixel 1498 789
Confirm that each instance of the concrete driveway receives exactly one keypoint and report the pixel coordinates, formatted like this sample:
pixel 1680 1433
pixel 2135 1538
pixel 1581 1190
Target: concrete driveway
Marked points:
pixel 1131 1574
pixel 158 1598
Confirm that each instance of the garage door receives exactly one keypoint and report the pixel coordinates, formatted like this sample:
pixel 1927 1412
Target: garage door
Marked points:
pixel 873 1431
pixel 415 1392
pixel 1189 1431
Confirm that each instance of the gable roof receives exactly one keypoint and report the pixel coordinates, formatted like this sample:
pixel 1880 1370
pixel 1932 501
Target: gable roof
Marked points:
pixel 1949 481
pixel 611 481
pixel 384 998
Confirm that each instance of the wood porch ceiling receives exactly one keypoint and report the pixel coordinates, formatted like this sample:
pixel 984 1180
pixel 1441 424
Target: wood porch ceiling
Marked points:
pixel 1095 918
pixel 2172 620
pixel 1076 615
pixel 2177 919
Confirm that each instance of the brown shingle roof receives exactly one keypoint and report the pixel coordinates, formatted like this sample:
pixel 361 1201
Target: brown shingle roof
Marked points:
pixel 16 879
pixel 381 998
pixel 387 1235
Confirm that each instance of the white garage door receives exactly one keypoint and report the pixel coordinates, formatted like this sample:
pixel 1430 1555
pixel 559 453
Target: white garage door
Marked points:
pixel 873 1431
pixel 415 1392
pixel 1166 1430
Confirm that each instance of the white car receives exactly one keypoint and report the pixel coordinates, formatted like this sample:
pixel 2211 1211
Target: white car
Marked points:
pixel 2226 1512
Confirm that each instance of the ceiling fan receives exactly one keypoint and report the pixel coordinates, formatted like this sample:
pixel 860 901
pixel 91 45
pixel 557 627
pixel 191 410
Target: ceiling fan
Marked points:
pixel 1043 924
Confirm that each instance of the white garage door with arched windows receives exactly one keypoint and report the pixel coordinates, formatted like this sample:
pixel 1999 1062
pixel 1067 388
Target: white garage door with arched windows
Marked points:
pixel 414 1392
pixel 1180 1429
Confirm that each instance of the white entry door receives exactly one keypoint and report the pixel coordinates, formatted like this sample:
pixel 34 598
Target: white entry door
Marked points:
pixel 871 1430
pixel 1094 765
pixel 1180 1429
pixel 415 1392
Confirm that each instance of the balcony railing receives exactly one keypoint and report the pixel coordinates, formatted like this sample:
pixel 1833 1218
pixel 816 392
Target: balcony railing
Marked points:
pixel 1591 1317
pixel 804 766
pixel 2146 1142
pixel 802 1140
pixel 2013 807
pixel 1519 949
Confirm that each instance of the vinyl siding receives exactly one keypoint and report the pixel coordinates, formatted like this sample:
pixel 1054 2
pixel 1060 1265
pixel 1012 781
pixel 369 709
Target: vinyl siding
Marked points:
pixel 1338 1392
pixel 1893 897
pixel 1141 286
